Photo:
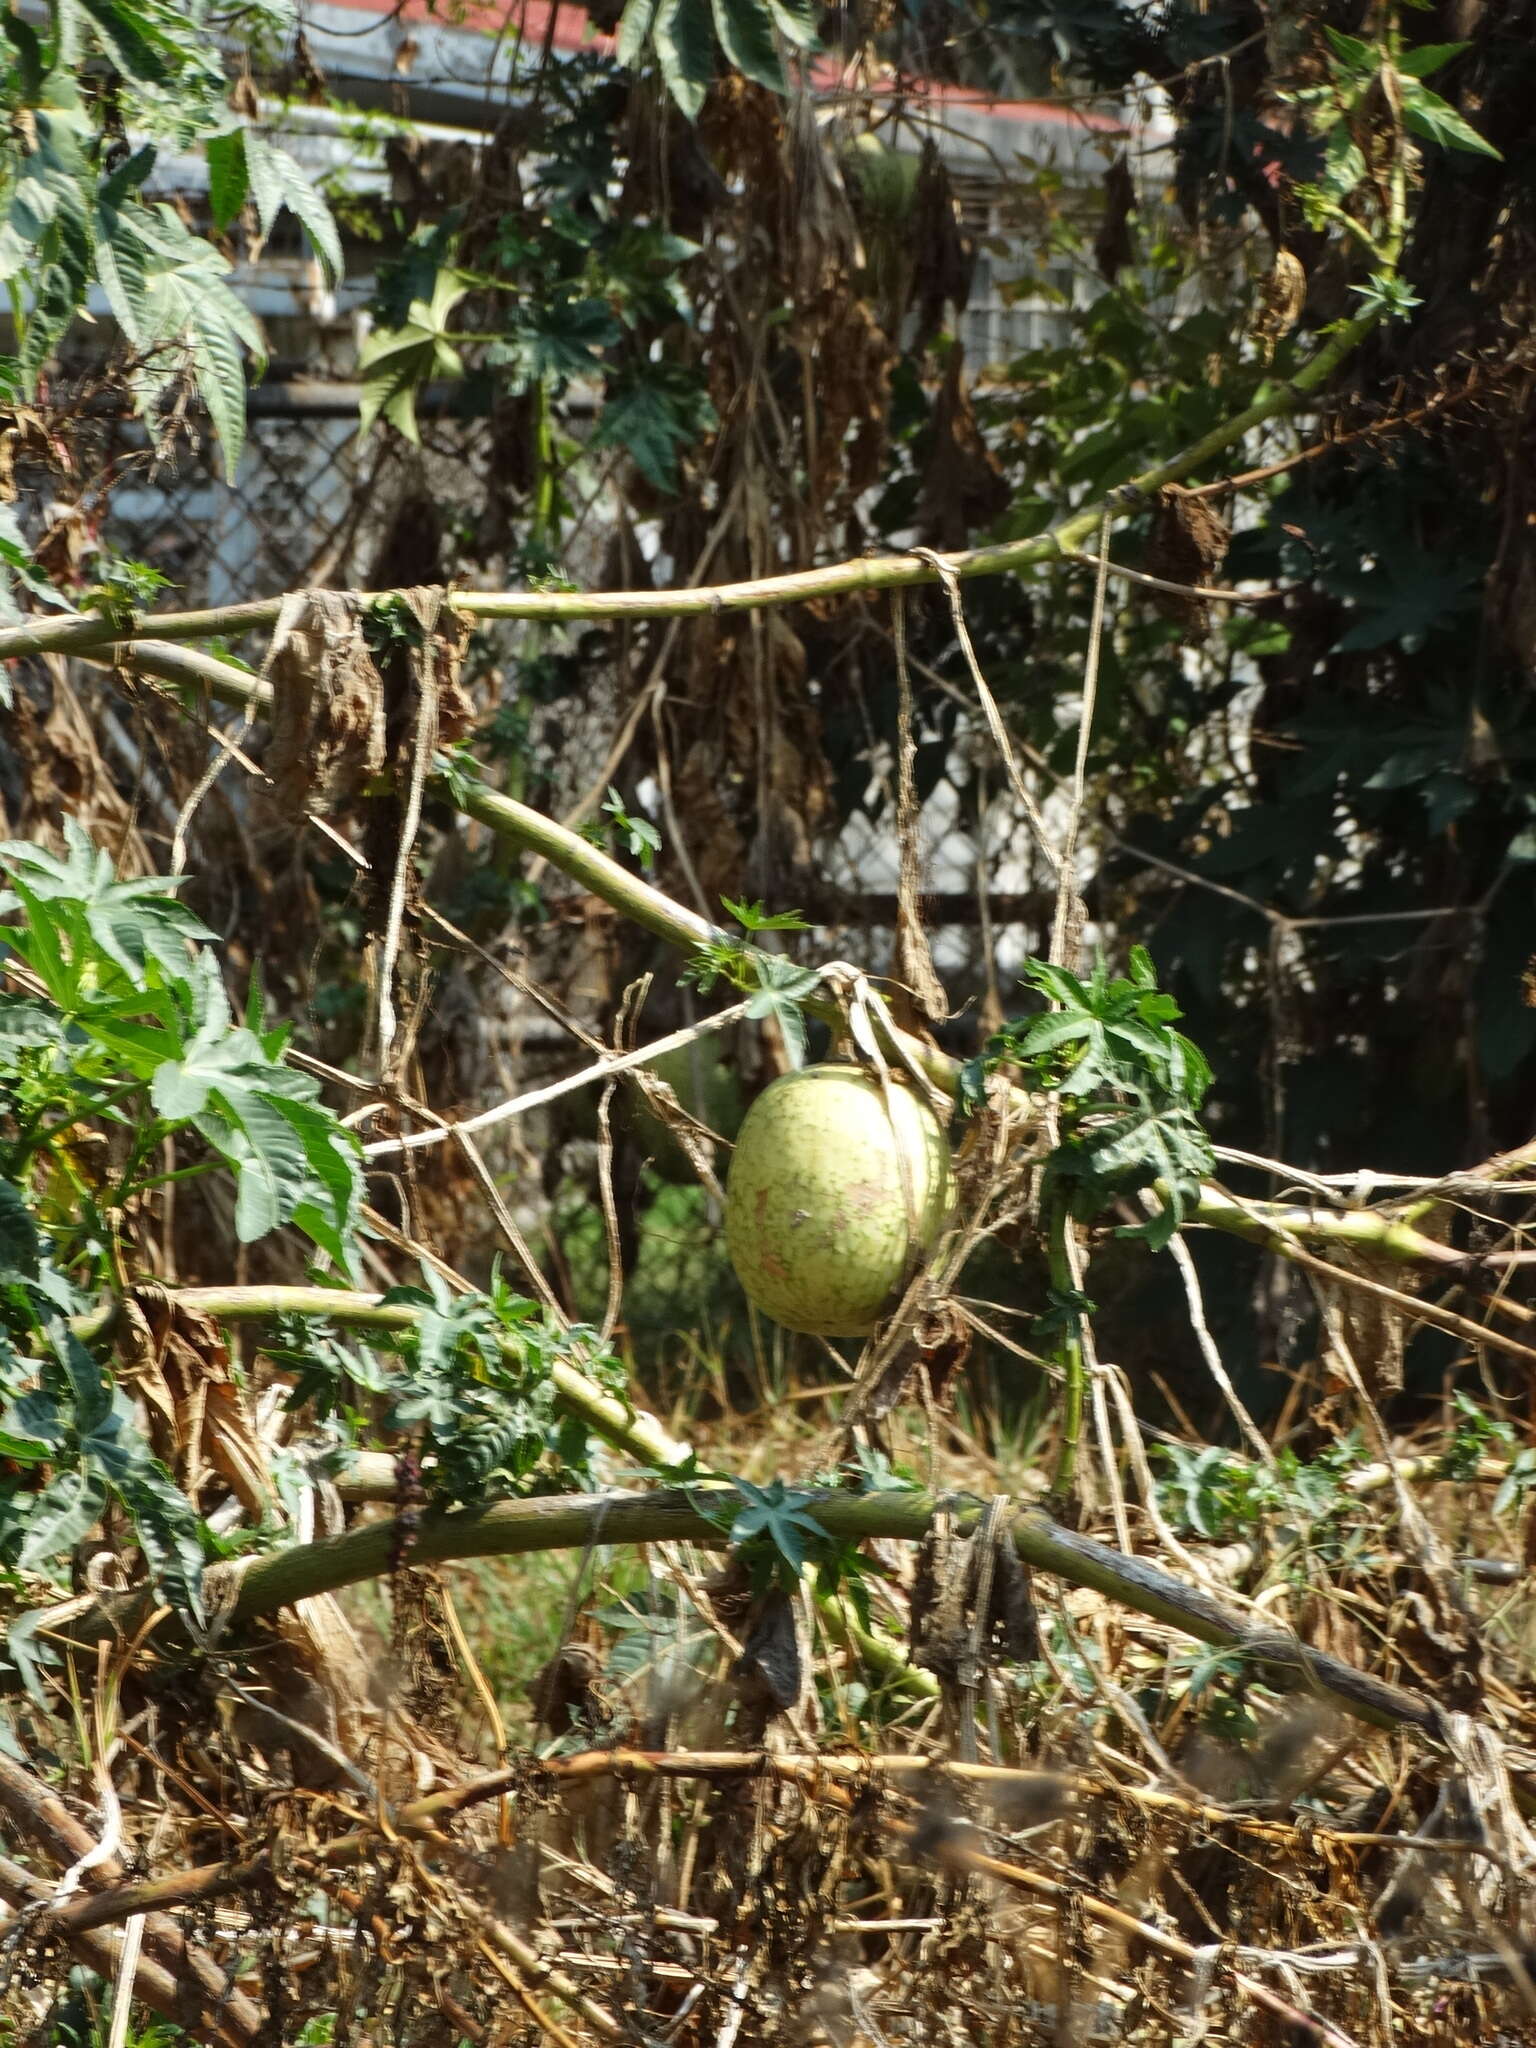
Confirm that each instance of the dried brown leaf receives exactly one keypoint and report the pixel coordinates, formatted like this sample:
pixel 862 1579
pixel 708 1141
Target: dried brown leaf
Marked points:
pixel 1188 545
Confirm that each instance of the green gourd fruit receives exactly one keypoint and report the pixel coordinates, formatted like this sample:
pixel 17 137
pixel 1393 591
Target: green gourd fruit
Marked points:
pixel 820 1227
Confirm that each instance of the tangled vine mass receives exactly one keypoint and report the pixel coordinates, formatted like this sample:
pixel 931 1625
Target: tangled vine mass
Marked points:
pixel 993 546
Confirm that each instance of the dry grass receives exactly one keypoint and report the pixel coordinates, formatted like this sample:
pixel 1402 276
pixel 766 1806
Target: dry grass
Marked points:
pixel 1116 1837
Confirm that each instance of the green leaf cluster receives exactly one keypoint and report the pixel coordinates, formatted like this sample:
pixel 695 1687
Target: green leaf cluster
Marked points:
pixel 568 291
pixel 74 215
pixel 1128 1084
pixel 70 1446
pixel 132 1034
pixel 684 36
pixel 776 986
pixel 1212 1493
pixel 467 1386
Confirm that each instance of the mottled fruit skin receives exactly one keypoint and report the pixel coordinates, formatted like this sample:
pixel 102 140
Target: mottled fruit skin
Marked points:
pixel 816 1221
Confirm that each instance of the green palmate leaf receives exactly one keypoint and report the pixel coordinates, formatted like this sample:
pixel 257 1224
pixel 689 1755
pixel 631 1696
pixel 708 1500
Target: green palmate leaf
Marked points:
pixel 746 32
pixel 167 289
pixel 782 990
pixel 777 1515
pixel 217 332
pixel 64 228
pixel 756 917
pixel 796 22
pixel 1387 293
pixel 1429 58
pixel 131 922
pixel 65 1511
pixel 123 32
pixel 262 1117
pixel 653 414
pixel 149 42
pixel 1427 115
pixel 685 50
pixel 634 31
pixel 20 1243
pixel 277 181
pixel 397 361
pixel 1397 602
pixel 553 343
pixel 228 178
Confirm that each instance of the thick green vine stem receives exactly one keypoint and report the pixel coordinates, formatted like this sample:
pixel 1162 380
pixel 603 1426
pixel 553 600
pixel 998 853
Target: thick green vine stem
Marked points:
pixel 1074 1373
pixel 96 630
pixel 630 1429
pixel 254 1589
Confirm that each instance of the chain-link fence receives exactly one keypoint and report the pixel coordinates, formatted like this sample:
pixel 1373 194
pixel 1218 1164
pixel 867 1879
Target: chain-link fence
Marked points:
pixel 309 506
pixel 313 504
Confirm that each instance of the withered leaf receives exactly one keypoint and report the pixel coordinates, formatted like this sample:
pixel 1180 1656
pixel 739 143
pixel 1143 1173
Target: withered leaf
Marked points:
pixel 963 486
pixel 771 1652
pixel 1114 247
pixel 1188 545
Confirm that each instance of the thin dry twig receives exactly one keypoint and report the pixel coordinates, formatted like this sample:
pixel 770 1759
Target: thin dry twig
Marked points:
pixel 290 611
pixel 1198 590
pixel 410 825
pixel 1068 903
pixel 608 1066
pixel 945 572
pixel 1209 1351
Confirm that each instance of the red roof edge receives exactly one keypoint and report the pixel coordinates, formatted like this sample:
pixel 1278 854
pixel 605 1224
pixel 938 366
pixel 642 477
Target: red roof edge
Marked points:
pixel 538 23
